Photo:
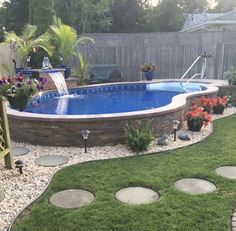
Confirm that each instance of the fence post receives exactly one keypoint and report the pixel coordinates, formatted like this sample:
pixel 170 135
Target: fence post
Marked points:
pixel 6 134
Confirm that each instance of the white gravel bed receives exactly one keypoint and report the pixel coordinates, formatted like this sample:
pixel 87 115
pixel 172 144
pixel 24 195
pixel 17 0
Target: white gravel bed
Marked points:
pixel 21 190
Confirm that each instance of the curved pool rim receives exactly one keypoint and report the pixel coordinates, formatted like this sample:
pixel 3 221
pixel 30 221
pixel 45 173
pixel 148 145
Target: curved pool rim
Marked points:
pixel 105 129
pixel 177 102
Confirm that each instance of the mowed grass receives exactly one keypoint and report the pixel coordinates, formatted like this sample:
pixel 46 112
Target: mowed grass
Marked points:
pixel 174 211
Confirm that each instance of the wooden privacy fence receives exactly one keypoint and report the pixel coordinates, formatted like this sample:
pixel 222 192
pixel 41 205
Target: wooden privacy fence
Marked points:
pixel 172 53
pixel 5 148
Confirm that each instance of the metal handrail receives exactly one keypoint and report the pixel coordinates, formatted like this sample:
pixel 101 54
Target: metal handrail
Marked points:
pixel 193 77
pixel 204 67
pixel 190 67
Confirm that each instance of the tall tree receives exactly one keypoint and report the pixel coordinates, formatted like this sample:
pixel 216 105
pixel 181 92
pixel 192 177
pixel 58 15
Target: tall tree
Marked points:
pixel 41 14
pixel 169 16
pixel 85 16
pixel 128 16
pixel 225 5
pixel 16 14
pixel 189 6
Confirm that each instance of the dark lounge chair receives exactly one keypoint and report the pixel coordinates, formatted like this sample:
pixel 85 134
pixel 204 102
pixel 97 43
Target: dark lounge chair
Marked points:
pixel 105 73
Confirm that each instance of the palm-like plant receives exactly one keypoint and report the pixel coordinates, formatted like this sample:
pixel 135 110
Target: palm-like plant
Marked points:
pixel 28 42
pixel 82 72
pixel 66 39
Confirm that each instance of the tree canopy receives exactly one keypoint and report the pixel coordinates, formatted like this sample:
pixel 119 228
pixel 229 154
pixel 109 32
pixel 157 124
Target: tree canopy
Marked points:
pixel 95 16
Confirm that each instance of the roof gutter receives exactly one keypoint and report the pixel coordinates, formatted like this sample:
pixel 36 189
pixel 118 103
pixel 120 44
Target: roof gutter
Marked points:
pixel 212 22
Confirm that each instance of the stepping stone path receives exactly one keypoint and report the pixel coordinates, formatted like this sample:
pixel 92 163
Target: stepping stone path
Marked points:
pixel 19 151
pixel 233 221
pixel 227 171
pixel 2 196
pixel 137 195
pixel 51 160
pixel 230 173
pixel 194 186
pixel 71 198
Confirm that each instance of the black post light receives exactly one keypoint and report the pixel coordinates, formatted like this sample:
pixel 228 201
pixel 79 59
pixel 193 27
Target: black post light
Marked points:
pixel 20 164
pixel 175 127
pixel 85 135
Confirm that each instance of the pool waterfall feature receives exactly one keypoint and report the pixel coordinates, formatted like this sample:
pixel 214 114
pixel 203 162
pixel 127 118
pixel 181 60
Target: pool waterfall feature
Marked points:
pixel 105 129
pixel 59 82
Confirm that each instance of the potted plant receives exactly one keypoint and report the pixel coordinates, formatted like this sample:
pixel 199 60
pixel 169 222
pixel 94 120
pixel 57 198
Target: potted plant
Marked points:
pixel 148 69
pixel 65 39
pixel 205 102
pixel 231 76
pixel 219 104
pixel 26 43
pixel 196 118
pixel 18 90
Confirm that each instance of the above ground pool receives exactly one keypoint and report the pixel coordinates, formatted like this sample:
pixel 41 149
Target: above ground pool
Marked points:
pixel 110 99
pixel 104 110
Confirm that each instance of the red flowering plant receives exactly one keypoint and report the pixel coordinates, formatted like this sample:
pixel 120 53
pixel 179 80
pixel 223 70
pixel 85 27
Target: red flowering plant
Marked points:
pixel 197 115
pixel 220 101
pixel 220 104
pixel 205 102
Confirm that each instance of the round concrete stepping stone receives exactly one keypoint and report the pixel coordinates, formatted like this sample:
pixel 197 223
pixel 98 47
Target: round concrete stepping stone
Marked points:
pixel 195 186
pixel 227 171
pixel 51 160
pixel 19 151
pixel 2 196
pixel 137 195
pixel 71 198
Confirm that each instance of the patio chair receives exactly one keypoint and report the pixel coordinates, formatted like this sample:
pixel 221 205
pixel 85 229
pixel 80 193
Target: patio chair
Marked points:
pixel 105 73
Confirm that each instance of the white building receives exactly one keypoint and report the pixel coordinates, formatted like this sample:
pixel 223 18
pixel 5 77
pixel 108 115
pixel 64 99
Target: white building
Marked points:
pixel 210 22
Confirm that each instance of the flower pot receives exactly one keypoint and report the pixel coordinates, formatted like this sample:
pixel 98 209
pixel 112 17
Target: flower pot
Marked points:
pixel 207 109
pixel 218 109
pixel 195 125
pixel 18 102
pixel 149 75
pixel 19 70
pixel 67 71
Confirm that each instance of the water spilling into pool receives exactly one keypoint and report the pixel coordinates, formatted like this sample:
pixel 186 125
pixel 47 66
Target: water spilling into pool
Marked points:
pixel 60 82
pixel 108 99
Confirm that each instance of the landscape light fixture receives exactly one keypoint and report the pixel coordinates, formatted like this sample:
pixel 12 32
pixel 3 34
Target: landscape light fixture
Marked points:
pixel 85 135
pixel 20 164
pixel 175 127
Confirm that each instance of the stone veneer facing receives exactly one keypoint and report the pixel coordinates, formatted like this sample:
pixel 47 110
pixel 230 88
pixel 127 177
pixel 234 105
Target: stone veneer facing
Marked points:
pixel 104 130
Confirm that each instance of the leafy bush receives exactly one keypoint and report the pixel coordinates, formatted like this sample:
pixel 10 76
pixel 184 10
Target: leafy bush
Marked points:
pixel 231 75
pixel 138 135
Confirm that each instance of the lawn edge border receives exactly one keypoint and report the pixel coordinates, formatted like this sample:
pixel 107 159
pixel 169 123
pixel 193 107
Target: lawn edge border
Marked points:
pixel 50 180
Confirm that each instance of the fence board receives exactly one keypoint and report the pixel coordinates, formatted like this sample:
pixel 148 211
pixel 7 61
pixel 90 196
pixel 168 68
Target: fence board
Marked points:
pixel 173 53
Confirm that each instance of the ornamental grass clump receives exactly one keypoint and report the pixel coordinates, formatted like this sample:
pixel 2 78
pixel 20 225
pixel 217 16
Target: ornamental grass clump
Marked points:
pixel 148 67
pixel 138 135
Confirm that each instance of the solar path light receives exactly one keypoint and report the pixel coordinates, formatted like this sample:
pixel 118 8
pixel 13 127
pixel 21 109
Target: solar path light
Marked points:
pixel 85 135
pixel 175 127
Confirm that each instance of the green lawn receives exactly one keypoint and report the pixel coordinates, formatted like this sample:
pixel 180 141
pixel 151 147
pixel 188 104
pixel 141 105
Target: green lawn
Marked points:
pixel 175 211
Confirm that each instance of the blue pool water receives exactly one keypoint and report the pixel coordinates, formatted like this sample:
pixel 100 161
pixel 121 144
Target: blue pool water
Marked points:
pixel 109 99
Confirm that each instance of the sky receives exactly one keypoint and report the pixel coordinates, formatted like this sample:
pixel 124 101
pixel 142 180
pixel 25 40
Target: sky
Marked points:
pixel 212 2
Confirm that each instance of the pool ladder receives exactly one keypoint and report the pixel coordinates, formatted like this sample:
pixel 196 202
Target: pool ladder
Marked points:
pixel 203 56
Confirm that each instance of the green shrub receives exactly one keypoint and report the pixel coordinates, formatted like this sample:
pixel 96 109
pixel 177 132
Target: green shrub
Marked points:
pixel 138 135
